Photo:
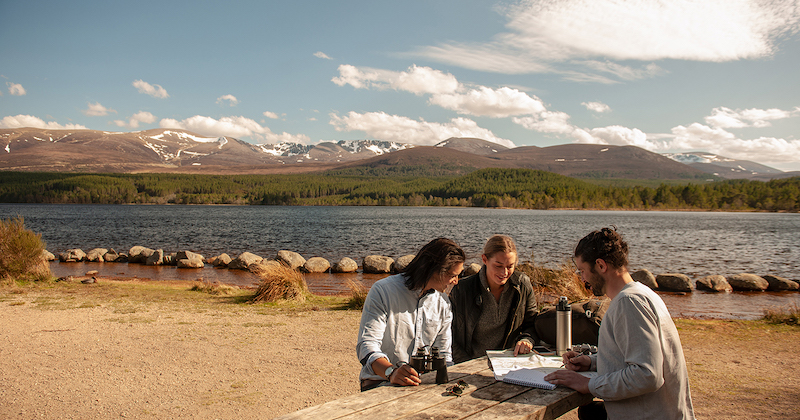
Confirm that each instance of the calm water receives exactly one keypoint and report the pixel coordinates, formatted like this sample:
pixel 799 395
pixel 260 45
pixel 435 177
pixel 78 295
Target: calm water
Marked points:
pixel 693 243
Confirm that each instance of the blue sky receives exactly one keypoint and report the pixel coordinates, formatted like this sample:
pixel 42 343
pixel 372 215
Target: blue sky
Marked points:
pixel 719 76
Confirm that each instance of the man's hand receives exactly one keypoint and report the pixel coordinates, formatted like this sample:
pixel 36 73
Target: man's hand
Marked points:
pixel 523 347
pixel 576 361
pixel 569 379
pixel 405 376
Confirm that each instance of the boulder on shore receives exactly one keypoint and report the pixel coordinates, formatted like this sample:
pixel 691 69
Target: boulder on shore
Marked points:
pixel 156 258
pixel 139 254
pixel 291 259
pixel 780 284
pixel 316 265
pixel 48 256
pixel 221 260
pixel 244 261
pixel 377 264
pixel 714 283
pixel 96 255
pixel 191 263
pixel 401 263
pixel 110 256
pixel 72 255
pixel 674 282
pixel 748 282
pixel 345 265
pixel 646 278
pixel 471 269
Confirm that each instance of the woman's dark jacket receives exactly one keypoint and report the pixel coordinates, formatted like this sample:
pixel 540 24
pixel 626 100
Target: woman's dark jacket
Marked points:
pixel 466 302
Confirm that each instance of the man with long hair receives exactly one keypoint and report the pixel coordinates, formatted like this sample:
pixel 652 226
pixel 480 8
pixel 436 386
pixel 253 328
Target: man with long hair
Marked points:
pixel 641 371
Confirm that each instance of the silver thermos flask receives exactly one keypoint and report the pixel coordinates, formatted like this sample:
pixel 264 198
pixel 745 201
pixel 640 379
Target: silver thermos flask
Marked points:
pixel 563 326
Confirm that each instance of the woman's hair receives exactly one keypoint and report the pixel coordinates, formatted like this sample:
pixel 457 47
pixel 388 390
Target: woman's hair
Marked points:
pixel 439 255
pixel 499 243
pixel 605 244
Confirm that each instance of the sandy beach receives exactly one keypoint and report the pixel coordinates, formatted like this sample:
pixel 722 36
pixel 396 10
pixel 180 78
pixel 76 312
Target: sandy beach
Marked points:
pixel 138 350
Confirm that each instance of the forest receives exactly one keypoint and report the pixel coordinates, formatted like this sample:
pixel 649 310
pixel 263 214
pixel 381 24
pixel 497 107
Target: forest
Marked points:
pixel 509 188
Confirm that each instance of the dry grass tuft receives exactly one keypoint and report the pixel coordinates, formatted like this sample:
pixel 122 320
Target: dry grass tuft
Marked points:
pixel 213 288
pixel 358 294
pixel 549 284
pixel 789 315
pixel 279 282
pixel 21 253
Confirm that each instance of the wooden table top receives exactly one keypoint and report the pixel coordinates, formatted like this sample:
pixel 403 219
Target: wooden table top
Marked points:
pixel 484 398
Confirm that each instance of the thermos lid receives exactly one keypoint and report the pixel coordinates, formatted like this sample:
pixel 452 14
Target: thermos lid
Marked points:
pixel 563 304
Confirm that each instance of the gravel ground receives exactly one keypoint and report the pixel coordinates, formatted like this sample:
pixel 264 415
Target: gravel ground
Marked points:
pixel 74 354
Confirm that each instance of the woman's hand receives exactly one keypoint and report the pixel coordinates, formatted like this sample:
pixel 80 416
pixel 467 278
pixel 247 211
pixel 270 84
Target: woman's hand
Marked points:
pixel 405 375
pixel 523 347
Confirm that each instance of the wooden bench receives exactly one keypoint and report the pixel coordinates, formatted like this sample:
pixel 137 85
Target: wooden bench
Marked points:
pixel 484 398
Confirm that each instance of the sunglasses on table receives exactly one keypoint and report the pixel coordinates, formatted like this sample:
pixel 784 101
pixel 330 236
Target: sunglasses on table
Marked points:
pixel 456 389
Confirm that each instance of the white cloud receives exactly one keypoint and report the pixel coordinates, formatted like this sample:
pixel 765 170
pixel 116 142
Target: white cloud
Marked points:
pixel 547 35
pixel 405 130
pixel 16 89
pixel 272 115
pixel 598 107
pixel 699 137
pixel 155 91
pixel 20 121
pixel 547 122
pixel 232 101
pixel 320 54
pixel 483 101
pixel 417 80
pixel 237 127
pixel 723 117
pixel 136 119
pixel 97 110
pixel 623 72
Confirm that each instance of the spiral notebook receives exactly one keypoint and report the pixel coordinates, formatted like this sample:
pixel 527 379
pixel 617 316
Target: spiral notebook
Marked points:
pixel 533 377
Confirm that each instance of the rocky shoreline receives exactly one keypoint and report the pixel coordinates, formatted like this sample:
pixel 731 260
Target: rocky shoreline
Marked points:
pixel 379 264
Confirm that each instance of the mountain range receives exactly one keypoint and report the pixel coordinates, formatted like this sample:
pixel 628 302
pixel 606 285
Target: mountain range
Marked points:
pixel 180 151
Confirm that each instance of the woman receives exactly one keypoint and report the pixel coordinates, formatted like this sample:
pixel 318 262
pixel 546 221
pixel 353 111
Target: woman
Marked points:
pixel 494 309
pixel 406 311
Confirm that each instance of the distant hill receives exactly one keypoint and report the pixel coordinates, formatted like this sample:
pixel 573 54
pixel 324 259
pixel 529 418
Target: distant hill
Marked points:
pixel 726 167
pixel 472 145
pixel 180 151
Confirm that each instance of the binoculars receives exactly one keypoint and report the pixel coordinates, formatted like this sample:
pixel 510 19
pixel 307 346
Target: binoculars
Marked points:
pixel 424 362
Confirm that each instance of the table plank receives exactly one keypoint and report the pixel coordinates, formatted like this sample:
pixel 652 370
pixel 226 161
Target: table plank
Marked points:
pixel 539 404
pixel 484 398
pixel 381 395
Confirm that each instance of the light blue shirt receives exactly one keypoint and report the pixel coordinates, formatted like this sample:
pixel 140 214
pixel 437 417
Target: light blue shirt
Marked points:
pixel 396 321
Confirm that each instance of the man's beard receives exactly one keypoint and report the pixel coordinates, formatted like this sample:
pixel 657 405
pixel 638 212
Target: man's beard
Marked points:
pixel 596 283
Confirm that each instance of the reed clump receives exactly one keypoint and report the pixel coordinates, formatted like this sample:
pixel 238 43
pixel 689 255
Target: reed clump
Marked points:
pixel 21 253
pixel 789 315
pixel 212 288
pixel 358 295
pixel 279 282
pixel 549 284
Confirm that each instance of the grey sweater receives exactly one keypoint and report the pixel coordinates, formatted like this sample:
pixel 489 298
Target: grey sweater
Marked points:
pixel 641 370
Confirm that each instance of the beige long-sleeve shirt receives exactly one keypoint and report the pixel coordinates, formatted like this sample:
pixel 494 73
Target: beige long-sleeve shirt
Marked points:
pixel 641 369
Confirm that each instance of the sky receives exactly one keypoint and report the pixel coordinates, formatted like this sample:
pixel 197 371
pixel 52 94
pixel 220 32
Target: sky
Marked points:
pixel 671 76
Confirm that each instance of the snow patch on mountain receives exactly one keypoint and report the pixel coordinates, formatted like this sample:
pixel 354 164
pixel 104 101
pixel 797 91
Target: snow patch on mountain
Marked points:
pixel 697 157
pixel 186 136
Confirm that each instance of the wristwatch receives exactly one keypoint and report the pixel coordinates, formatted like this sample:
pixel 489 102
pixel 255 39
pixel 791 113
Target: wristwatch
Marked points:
pixel 388 372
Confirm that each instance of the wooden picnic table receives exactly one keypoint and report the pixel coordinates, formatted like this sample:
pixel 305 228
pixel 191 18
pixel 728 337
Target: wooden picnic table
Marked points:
pixel 484 398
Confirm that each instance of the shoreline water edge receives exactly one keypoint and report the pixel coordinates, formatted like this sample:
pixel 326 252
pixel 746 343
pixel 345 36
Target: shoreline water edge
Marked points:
pixel 739 296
